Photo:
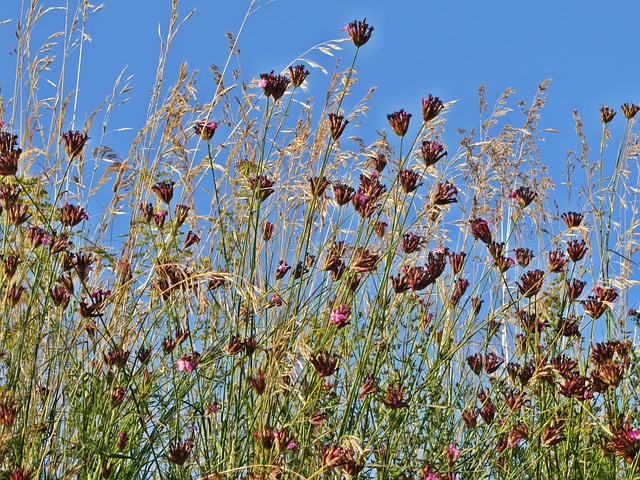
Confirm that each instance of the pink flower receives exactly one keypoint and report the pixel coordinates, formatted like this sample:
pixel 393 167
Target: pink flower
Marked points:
pixel 188 363
pixel 275 300
pixel 340 316
pixel 634 434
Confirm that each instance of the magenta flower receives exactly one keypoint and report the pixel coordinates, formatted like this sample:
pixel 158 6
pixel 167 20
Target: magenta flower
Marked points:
pixel 205 129
pixel 340 316
pixel 188 363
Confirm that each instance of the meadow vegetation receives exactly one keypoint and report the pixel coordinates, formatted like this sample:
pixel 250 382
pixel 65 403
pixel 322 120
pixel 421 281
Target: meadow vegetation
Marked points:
pixel 248 290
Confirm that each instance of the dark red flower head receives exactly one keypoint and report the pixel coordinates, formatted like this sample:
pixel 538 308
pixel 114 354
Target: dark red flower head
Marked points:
pixel 359 31
pixel 399 122
pixel 298 74
pixel 431 107
pixel 273 85
pixel 205 129
pixel 74 142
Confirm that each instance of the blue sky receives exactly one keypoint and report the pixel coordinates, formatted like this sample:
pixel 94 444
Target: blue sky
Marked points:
pixel 442 47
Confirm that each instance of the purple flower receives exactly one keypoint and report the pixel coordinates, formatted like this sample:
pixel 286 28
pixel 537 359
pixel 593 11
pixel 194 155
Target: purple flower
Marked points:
pixel 340 316
pixel 188 363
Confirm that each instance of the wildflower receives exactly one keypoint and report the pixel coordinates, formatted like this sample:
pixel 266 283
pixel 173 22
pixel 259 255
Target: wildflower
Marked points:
pixel 371 187
pixel 552 434
pixel 74 142
pixel 409 180
pixel 337 123
pixel 9 162
pixel 13 294
pixel 335 255
pixel 359 31
pixel 205 129
pixel 517 433
pixel 531 283
pixel 342 193
pixel 480 230
pixel 380 229
pixel 576 250
pixel 630 110
pixel 556 261
pixel 476 305
pixel 475 363
pixel 610 352
pixel 8 141
pixel 258 383
pixel 168 344
pixel 369 386
pixel 364 261
pixel 58 243
pixel 59 296
pixel 401 284
pixel 606 114
pixel 459 287
pixel 235 345
pixel 523 256
pixel 318 185
pixel 432 152
pixel 333 457
pixel 324 363
pixel 261 185
pixel 144 355
pixel 298 74
pixel 624 443
pixel 496 249
pixel 38 236
pixel 606 294
pixel 470 418
pixel 164 190
pixel 394 398
pixel 117 357
pixel 190 239
pixel 492 362
pixel 180 212
pixel 273 85
pixel 188 363
pixel 9 195
pixel 451 454
pixel 18 214
pixel 159 218
pixel 488 411
pixel 572 219
pixel 179 451
pixel 593 306
pixel 318 418
pixel 399 122
pixel 524 196
pixel 456 260
pixel 122 440
pixel 504 263
pixel 117 396
pixel 445 194
pixel 20 473
pixel 575 386
pixel 379 162
pixel 351 466
pixel 147 212
pixel 431 107
pixel 568 327
pixel 282 269
pixel 340 316
pixel 267 231
pixel 411 243
pixel 8 411
pixel 275 300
